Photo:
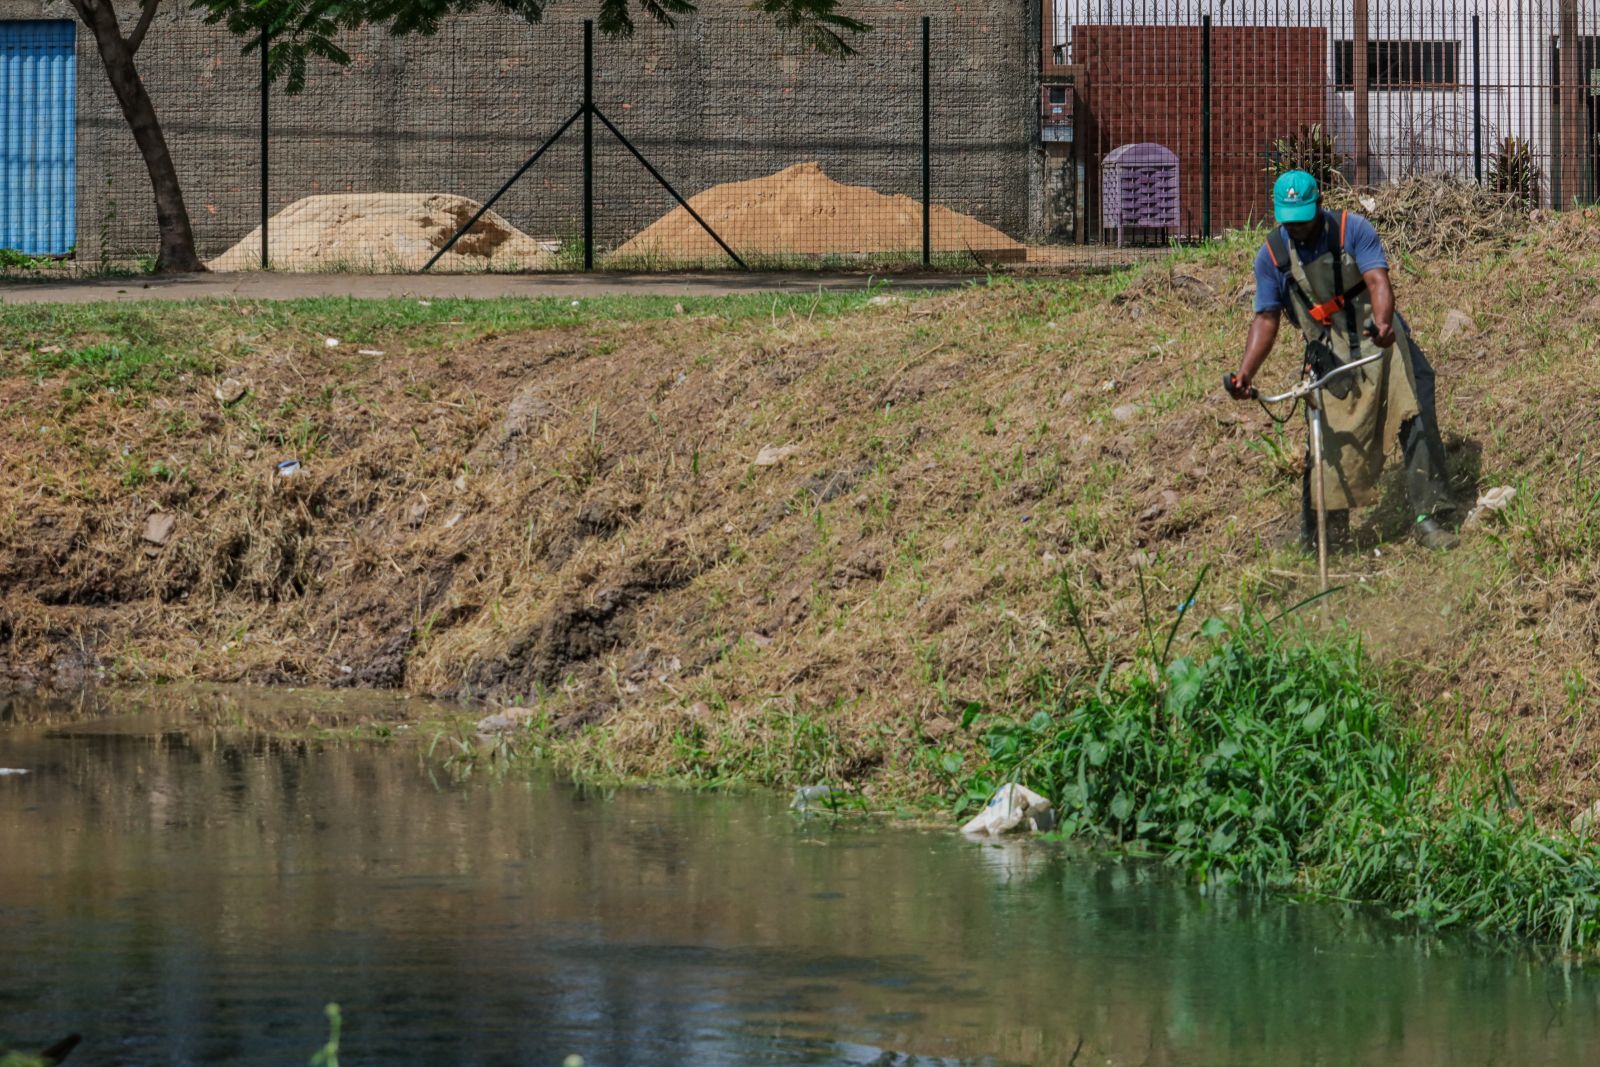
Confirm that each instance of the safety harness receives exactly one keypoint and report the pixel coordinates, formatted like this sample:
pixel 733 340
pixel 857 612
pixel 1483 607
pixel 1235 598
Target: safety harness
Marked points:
pixel 1326 312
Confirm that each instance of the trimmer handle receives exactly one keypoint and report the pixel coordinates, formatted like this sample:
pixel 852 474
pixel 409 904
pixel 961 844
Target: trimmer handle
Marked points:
pixel 1230 383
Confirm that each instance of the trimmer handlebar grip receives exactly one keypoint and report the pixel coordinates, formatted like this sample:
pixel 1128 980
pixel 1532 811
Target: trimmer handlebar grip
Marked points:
pixel 1230 384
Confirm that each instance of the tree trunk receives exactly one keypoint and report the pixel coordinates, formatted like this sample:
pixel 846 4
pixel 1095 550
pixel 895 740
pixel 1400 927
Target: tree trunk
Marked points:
pixel 177 252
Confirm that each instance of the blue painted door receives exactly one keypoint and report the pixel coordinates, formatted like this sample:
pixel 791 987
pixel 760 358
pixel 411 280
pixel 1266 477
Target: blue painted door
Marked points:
pixel 38 145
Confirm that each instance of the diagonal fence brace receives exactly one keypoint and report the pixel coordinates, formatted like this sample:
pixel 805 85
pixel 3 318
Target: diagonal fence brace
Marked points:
pixel 487 204
pixel 704 225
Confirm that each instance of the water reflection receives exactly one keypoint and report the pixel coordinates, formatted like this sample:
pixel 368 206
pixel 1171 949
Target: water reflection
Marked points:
pixel 190 896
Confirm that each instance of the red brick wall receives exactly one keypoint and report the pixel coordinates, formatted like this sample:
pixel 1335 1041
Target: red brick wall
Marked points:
pixel 1143 84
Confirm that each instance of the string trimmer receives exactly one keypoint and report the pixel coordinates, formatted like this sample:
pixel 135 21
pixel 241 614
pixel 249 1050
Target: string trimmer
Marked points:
pixel 1312 387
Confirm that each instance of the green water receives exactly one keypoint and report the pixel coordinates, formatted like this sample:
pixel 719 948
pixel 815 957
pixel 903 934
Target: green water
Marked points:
pixel 194 895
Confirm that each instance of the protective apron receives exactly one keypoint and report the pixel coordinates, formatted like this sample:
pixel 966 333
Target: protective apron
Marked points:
pixel 1330 305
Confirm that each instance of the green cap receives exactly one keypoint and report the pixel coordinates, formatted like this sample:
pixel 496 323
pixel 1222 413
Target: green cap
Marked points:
pixel 1295 197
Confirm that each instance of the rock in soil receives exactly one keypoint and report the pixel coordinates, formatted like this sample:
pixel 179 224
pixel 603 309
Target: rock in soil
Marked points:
pixel 159 526
pixel 229 391
pixel 1456 324
pixel 772 455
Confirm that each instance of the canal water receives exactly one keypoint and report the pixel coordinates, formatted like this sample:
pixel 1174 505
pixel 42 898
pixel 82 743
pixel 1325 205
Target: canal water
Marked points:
pixel 183 894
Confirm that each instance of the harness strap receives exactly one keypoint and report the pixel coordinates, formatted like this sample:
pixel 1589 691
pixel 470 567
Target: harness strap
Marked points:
pixel 1341 297
pixel 1326 312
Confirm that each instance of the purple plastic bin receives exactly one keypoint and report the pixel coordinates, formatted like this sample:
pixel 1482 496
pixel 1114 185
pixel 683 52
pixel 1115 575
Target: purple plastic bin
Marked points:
pixel 1139 188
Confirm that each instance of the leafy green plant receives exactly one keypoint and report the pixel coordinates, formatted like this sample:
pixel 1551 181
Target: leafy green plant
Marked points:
pixel 11 259
pixel 1264 762
pixel 1311 149
pixel 1513 173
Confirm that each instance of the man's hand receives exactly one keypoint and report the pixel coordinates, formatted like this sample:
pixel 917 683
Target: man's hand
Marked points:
pixel 1238 386
pixel 1382 334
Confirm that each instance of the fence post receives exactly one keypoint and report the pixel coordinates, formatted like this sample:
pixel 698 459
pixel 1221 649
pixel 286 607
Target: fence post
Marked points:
pixel 1205 127
pixel 927 147
pixel 1360 87
pixel 588 144
pixel 266 85
pixel 1477 104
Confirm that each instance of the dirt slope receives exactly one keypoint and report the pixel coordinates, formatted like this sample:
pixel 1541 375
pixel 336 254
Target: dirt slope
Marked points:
pixel 809 539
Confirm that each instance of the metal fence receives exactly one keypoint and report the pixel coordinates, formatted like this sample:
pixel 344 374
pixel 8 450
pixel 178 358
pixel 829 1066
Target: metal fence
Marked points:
pixel 1501 94
pixel 790 158
pixel 1077 132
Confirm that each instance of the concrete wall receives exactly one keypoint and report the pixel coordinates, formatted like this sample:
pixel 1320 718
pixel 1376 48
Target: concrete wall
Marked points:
pixel 720 98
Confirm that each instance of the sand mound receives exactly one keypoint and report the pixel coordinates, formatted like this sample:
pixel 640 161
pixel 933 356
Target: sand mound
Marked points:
pixel 802 211
pixel 384 233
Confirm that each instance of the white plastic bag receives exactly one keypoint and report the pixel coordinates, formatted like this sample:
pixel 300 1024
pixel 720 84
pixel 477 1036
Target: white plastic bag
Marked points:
pixel 1013 807
pixel 1497 499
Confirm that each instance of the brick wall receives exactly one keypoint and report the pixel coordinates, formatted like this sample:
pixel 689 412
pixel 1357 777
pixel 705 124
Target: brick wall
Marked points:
pixel 721 98
pixel 1143 84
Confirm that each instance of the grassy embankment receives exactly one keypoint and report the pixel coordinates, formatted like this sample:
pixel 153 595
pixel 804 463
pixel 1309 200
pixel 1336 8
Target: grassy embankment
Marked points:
pixel 567 511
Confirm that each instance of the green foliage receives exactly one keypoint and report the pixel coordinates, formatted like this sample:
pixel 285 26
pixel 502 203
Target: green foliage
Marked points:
pixel 302 30
pixel 11 259
pixel 1311 149
pixel 328 1054
pixel 1272 764
pixel 780 746
pixel 187 332
pixel 1513 172
pixel 128 368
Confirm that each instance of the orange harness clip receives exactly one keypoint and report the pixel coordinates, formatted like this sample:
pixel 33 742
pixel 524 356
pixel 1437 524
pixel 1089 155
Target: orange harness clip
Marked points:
pixel 1325 311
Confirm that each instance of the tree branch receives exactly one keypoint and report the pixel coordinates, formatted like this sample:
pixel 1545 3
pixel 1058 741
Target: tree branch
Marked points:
pixel 136 38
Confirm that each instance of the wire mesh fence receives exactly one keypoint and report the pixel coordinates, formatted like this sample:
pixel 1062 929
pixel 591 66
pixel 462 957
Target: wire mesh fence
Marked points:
pixel 791 159
pixel 1504 95
pixel 1074 132
pixel 788 158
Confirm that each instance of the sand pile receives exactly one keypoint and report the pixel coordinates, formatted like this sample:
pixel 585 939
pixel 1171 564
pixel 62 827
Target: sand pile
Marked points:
pixel 802 211
pixel 385 233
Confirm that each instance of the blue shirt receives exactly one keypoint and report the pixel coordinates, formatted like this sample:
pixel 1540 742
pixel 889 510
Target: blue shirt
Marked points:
pixel 1360 240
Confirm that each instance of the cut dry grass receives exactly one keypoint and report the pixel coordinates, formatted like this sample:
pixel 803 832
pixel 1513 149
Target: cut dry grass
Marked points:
pixel 571 510
pixel 1436 219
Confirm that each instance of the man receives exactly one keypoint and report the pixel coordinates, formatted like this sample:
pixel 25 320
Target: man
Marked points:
pixel 1327 271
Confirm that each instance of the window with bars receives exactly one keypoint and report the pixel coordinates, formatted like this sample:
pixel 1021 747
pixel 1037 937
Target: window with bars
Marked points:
pixel 1399 65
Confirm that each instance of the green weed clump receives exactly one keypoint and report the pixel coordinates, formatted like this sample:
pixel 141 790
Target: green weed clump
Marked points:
pixel 1270 763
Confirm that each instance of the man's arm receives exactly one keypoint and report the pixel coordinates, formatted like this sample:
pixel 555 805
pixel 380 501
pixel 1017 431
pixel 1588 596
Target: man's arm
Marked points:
pixel 1263 335
pixel 1381 294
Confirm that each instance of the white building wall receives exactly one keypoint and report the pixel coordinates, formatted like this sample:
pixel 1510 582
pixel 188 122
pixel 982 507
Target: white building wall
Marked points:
pixel 1410 132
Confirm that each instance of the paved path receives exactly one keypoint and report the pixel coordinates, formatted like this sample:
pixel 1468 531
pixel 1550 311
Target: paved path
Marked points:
pixel 258 286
